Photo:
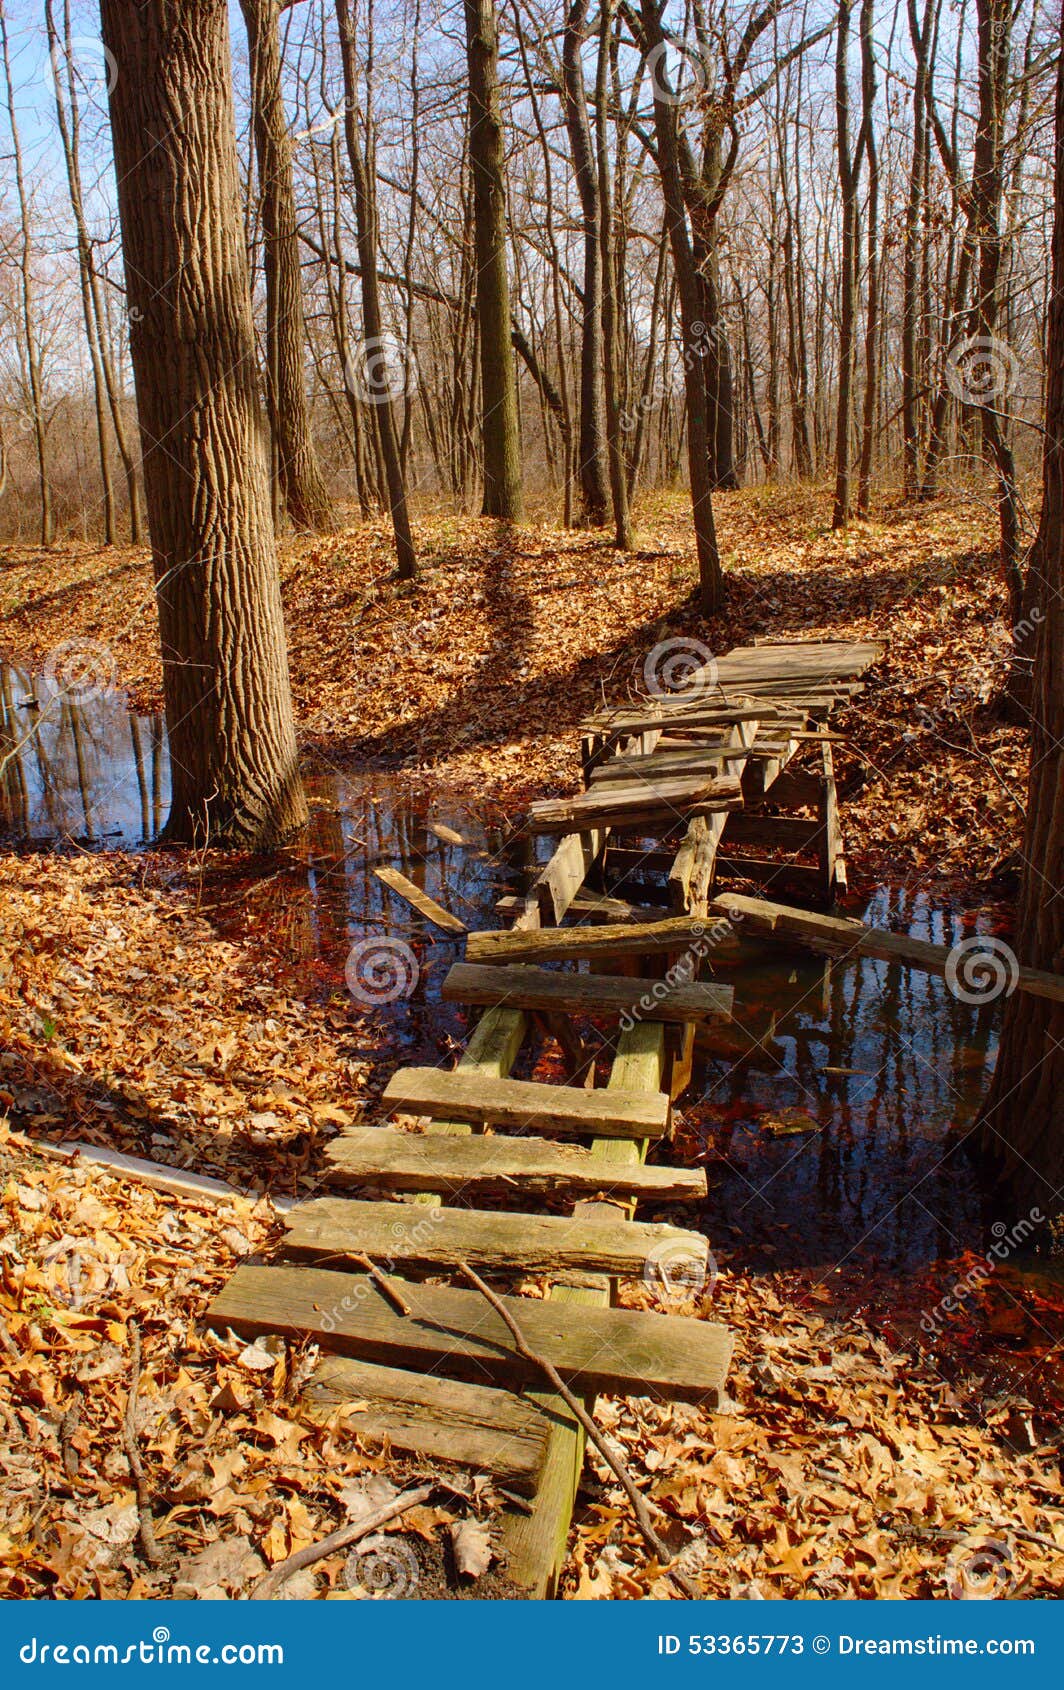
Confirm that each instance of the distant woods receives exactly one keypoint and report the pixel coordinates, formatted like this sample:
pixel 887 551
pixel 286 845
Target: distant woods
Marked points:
pixel 516 256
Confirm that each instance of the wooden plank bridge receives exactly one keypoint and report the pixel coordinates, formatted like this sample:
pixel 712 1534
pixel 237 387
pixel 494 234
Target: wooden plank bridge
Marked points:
pixel 731 780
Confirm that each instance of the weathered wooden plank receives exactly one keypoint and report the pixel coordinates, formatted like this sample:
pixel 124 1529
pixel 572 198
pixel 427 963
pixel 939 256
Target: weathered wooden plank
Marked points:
pixel 784 833
pixel 334 1231
pixel 455 1095
pixel 833 861
pixel 794 789
pixel 406 1161
pixel 595 906
pixel 611 724
pixel 476 1426
pixel 566 944
pixel 524 987
pixel 805 880
pixel 842 937
pixel 636 803
pixel 420 900
pixel 617 1350
pixel 558 882
pixel 535 1545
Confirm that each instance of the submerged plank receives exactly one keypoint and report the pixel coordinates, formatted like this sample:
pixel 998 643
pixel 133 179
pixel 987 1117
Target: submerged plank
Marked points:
pixel 420 900
pixel 476 1426
pixel 840 936
pixel 525 987
pixel 404 1161
pixel 336 1230
pixel 618 1350
pixel 458 1096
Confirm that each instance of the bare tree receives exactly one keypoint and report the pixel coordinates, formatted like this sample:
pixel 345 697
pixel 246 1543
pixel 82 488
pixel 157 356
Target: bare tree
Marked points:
pixel 503 495
pixel 304 491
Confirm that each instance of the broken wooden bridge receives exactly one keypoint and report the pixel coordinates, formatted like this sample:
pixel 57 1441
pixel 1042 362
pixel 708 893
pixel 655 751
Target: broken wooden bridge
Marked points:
pixel 732 780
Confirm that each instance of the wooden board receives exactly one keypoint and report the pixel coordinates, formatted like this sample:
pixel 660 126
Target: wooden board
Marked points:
pixel 842 937
pixel 406 1161
pixel 638 803
pixel 334 1230
pixel 454 1095
pixel 476 1426
pixel 420 900
pixel 524 987
pixel 535 1545
pixel 566 944
pixel 618 1350
pixel 558 882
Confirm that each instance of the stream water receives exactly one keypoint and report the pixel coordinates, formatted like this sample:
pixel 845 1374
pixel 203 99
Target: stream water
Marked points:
pixel 832 1114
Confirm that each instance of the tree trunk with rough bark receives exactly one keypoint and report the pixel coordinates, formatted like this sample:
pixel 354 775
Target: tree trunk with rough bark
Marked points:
pixel 498 378
pixel 304 490
pixel 1022 1122
pixel 592 429
pixel 234 766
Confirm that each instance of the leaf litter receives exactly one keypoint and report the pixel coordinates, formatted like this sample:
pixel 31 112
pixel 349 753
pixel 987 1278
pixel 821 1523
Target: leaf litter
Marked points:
pixel 845 1462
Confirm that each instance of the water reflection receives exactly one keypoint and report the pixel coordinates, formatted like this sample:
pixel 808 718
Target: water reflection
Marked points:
pixel 832 1110
pixel 837 1131
pixel 77 769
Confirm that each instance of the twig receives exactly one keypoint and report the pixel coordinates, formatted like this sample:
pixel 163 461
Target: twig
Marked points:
pixel 268 1586
pixel 385 1286
pixel 639 1508
pixel 67 1428
pixel 152 1552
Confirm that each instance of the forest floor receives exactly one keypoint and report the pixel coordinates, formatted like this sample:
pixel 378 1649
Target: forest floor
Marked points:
pixel 852 1459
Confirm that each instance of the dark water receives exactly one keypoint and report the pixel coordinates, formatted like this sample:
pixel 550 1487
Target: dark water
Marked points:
pixel 879 1069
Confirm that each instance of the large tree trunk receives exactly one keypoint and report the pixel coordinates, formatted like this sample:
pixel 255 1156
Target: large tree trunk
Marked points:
pixel 235 774
pixel 305 494
pixel 498 377
pixel 1023 1119
pixel 592 431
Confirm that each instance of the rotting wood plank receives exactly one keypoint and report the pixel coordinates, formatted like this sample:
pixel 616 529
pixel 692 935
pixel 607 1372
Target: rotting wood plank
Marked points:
pixel 596 906
pixel 526 987
pixel 620 1350
pixel 420 900
pixel 535 1546
pixel 477 1426
pixel 558 882
pixel 567 944
pixel 842 937
pixel 636 803
pixel 390 1159
pixel 459 1096
pixel 334 1231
